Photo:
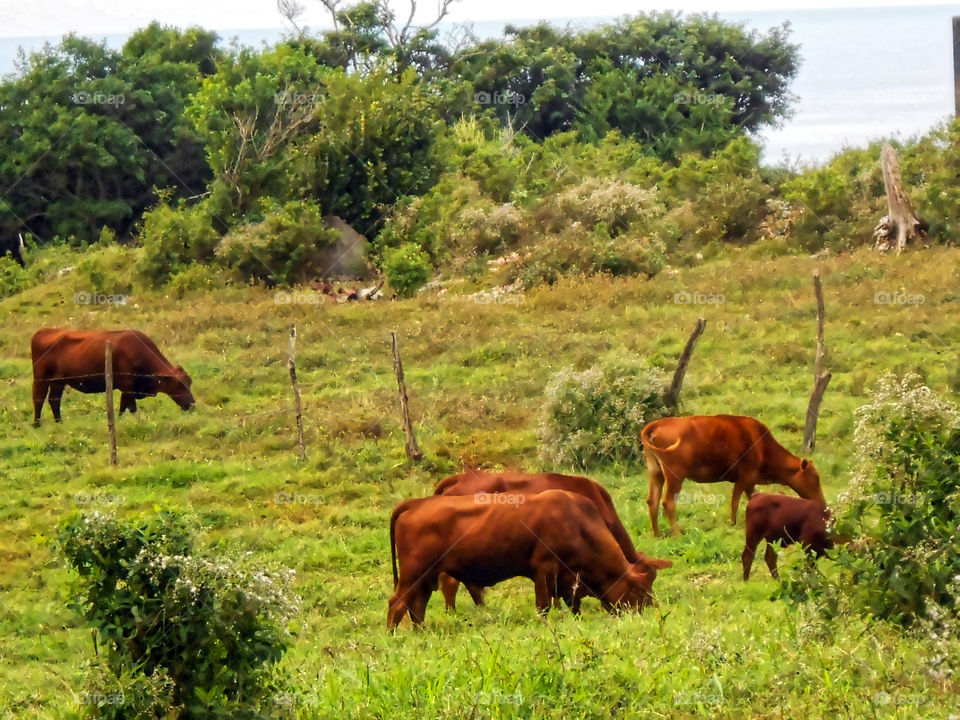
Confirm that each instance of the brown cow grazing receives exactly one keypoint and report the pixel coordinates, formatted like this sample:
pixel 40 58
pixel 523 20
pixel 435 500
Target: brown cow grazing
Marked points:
pixel 773 517
pixel 556 538
pixel 715 448
pixel 473 482
pixel 76 358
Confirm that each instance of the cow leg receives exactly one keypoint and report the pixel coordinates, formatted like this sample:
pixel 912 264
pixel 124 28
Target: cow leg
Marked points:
pixel 654 489
pixel 56 395
pixel 40 388
pixel 476 593
pixel 128 401
pixel 738 490
pixel 545 588
pixel 749 552
pixel 448 588
pixel 417 603
pixel 670 502
pixel 771 557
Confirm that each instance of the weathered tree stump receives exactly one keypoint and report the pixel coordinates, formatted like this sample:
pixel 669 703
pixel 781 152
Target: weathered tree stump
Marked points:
pixel 901 223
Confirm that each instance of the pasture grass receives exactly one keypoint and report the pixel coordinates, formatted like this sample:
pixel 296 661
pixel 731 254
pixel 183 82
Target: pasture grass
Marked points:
pixel 714 647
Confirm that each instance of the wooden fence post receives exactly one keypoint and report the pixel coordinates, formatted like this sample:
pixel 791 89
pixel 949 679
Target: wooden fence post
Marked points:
pixel 820 378
pixel 672 397
pixel 297 402
pixel 111 424
pixel 413 451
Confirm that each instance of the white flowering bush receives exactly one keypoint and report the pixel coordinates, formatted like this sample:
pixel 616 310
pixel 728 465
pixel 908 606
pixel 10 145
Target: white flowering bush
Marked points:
pixel 486 227
pixel 902 511
pixel 614 203
pixel 182 635
pixel 596 416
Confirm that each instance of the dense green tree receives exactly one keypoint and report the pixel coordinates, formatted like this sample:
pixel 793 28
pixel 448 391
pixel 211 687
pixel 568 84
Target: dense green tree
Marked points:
pixel 279 124
pixel 87 133
pixel 676 84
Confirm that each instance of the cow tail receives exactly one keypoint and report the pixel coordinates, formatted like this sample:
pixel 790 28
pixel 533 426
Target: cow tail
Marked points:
pixel 646 440
pixel 397 511
pixel 446 484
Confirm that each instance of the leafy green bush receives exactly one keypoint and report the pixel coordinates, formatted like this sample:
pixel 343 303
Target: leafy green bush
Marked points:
pixel 173 239
pixel 902 509
pixel 407 269
pixel 584 252
pixel 13 278
pixel 198 277
pixel 287 247
pixel 596 416
pixel 106 269
pixel 188 635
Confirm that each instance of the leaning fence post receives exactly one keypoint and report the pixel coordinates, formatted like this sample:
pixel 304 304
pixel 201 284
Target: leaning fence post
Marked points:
pixel 820 378
pixel 297 403
pixel 111 425
pixel 413 451
pixel 672 397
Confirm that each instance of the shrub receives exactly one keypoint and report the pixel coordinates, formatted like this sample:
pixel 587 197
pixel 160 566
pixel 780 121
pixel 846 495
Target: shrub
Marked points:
pixel 106 270
pixel 614 203
pixel 596 416
pixel 287 247
pixel 13 278
pixel 197 277
pixel 903 509
pixel 191 636
pixel 173 239
pixel 583 251
pixel 407 269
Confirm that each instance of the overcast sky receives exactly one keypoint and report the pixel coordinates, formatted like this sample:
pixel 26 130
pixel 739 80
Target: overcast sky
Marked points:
pixel 102 17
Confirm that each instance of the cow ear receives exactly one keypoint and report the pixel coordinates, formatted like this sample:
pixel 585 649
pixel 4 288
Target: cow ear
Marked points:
pixel 804 463
pixel 660 564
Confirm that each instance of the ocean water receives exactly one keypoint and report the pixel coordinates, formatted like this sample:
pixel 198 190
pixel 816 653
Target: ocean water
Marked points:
pixel 866 74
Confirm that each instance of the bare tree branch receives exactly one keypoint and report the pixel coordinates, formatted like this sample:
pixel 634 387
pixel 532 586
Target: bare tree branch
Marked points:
pixel 291 10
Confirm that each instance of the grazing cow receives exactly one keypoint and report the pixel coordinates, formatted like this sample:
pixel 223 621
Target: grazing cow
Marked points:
pixel 788 519
pixel 714 448
pixel 484 481
pixel 76 358
pixel 556 538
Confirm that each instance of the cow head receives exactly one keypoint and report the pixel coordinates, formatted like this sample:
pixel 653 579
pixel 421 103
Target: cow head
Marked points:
pixel 806 482
pixel 177 386
pixel 633 590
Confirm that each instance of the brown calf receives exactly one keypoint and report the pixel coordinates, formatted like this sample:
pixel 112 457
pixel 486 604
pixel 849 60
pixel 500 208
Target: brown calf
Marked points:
pixel 790 520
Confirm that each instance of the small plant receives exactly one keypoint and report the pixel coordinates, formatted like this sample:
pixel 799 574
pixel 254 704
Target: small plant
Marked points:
pixel 407 269
pixel 186 635
pixel 596 416
pixel 13 278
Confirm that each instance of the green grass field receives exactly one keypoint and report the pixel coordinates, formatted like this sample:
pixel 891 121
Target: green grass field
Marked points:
pixel 714 648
